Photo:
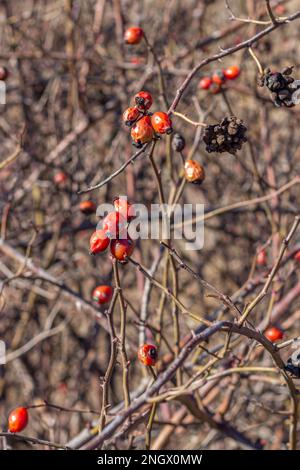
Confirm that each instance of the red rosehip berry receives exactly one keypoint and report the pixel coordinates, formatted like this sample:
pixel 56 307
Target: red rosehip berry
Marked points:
pixel 60 178
pixel 297 256
pixel 98 242
pixel 147 354
pixel 232 72
pixel 102 294
pixel 3 73
pixel 215 88
pixel 261 259
pixel 143 100
pixel 133 35
pixel 124 208
pixel 121 249
pixel 87 207
pixel 161 123
pixel 142 132
pixel 205 83
pixel 218 77
pixel 114 225
pixel 280 10
pixel 273 334
pixel 130 115
pixel 194 172
pixel 18 419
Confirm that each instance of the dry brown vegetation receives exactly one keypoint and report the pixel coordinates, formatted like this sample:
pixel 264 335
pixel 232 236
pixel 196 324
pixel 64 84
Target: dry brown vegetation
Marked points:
pixel 70 78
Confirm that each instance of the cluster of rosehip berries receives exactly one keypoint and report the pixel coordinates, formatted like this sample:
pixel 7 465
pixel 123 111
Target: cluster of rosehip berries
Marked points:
pixel 145 125
pixel 114 232
pixel 215 82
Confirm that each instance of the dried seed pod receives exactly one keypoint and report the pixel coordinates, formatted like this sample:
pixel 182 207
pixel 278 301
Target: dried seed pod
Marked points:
pixel 178 142
pixel 281 84
pixel 228 136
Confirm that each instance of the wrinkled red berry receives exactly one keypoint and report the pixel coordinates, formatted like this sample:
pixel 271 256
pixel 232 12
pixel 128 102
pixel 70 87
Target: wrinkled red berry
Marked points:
pixel 130 115
pixel 161 123
pixel 121 249
pixel 143 100
pixel 147 354
pixel 98 242
pixel 142 131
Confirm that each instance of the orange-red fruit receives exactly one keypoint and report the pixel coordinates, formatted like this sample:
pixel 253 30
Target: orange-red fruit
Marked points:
pixel 98 242
pixel 218 77
pixel 297 256
pixel 143 100
pixel 124 208
pixel 142 131
pixel 114 225
pixel 60 177
pixel 148 354
pixel 273 334
pixel 18 419
pixel 194 172
pixel 232 72
pixel 87 207
pixel 121 249
pixel 130 115
pixel 3 73
pixel 205 83
pixel 215 88
pixel 161 123
pixel 261 259
pixel 102 294
pixel 133 35
pixel 280 10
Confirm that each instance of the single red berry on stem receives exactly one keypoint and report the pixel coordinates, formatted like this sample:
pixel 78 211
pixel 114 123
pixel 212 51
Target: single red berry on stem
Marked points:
pixel 142 131
pixel 261 259
pixel 124 208
pixel 98 242
pixel 102 294
pixel 130 115
pixel 18 419
pixel 60 177
pixel 133 35
pixel 194 172
pixel 161 123
pixel 205 83
pixel 121 249
pixel 147 354
pixel 3 73
pixel 143 100
pixel 297 256
pixel 231 73
pixel 273 334
pixel 114 225
pixel 87 207
pixel 218 77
